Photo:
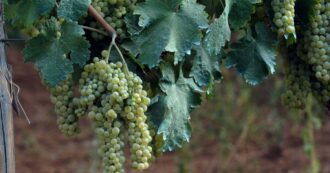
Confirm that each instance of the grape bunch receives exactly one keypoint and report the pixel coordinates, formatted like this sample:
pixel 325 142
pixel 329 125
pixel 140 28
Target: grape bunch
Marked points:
pixel 113 11
pixel 321 92
pixel 138 134
pixel 284 14
pixel 317 42
pixel 297 81
pixel 115 101
pixel 62 97
pixel 157 142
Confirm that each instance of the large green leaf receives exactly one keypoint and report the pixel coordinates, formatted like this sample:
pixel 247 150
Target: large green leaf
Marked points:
pixel 56 49
pixel 206 67
pixel 168 25
pixel 28 11
pixel 235 14
pixel 72 9
pixel 171 112
pixel 254 58
pixel 219 31
pixel 240 14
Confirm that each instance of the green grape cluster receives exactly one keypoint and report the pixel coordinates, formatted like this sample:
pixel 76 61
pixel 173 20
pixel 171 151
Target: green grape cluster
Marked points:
pixel 316 42
pixel 61 97
pixel 321 92
pixel 138 134
pixel 157 142
pixel 284 14
pixel 114 100
pixel 297 81
pixel 113 11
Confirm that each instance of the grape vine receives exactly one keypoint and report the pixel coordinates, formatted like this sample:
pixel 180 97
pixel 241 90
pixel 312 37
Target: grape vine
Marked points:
pixel 169 55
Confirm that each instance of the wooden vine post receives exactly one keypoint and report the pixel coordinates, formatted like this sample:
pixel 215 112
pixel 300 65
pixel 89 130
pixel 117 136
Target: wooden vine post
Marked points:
pixel 7 162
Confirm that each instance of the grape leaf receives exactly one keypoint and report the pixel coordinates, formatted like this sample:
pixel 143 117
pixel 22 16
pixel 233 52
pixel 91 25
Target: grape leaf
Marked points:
pixel 10 12
pixel 49 50
pixel 240 14
pixel 174 25
pixel 171 112
pixel 72 9
pixel 132 25
pixel 219 31
pixel 30 10
pixel 254 58
pixel 206 67
pixel 212 7
pixel 235 14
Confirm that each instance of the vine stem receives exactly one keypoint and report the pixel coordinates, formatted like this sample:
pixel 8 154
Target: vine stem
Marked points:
pixel 108 28
pixel 114 44
pixel 113 41
pixel 122 58
pixel 314 160
pixel 95 30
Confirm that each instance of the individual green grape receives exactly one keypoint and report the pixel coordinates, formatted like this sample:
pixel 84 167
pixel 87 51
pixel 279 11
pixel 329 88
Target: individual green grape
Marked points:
pixel 62 96
pixel 284 14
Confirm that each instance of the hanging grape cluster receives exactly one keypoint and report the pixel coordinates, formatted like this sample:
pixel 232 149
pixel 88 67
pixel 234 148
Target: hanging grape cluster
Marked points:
pixel 284 14
pixel 114 99
pixel 321 92
pixel 311 72
pixel 61 97
pixel 316 42
pixel 113 11
pixel 297 82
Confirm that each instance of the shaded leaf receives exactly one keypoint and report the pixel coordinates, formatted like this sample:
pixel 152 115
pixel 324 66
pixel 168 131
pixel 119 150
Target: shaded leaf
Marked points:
pixel 206 67
pixel 56 49
pixel 28 11
pixel 173 29
pixel 219 31
pixel 240 14
pixel 72 9
pixel 171 112
pixel 213 7
pixel 254 58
